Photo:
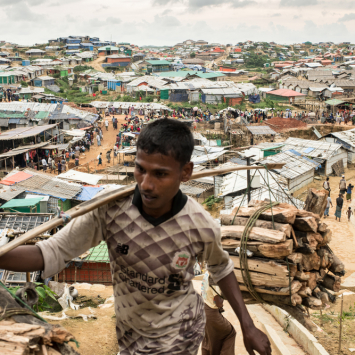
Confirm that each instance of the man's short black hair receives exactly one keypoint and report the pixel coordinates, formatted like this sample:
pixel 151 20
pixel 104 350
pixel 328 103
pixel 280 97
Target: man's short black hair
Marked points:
pixel 167 137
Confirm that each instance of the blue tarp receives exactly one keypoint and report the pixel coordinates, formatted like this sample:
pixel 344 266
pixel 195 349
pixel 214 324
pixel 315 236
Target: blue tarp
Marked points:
pixel 88 192
pixel 255 99
pixel 308 150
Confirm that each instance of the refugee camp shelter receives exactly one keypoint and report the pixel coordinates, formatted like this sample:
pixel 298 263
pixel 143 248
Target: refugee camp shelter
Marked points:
pixel 327 154
pixel 346 139
pixel 43 81
pixel 298 170
pixel 108 50
pixel 285 95
pixel 117 60
pixel 94 268
pixel 35 53
pixel 152 66
pixel 25 205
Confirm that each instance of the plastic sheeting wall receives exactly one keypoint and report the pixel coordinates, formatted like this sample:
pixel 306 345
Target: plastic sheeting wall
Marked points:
pixel 179 97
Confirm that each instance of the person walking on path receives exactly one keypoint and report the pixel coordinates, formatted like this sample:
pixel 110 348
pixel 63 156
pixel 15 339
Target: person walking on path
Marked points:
pixel 45 165
pixel 329 203
pixel 349 212
pixel 99 158
pixel 106 124
pixel 108 156
pixel 98 139
pixel 348 192
pixel 342 185
pixel 219 333
pixel 326 185
pixel 339 207
pixel 64 167
pixel 59 167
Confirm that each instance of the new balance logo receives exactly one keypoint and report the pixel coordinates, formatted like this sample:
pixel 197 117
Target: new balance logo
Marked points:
pixel 122 249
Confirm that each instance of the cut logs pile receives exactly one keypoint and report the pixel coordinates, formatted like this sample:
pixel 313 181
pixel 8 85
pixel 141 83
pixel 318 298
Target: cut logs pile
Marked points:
pixel 291 264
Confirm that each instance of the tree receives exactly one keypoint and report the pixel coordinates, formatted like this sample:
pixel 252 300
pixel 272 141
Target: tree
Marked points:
pixel 192 55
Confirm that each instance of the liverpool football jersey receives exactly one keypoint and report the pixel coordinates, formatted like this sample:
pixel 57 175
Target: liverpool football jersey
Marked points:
pixel 157 309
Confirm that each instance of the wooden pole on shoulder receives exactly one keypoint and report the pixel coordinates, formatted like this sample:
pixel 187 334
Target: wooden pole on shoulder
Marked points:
pixel 104 199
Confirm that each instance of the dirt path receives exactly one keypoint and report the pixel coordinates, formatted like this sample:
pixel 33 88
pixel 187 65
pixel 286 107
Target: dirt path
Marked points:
pixel 96 64
pixel 343 240
pixel 109 140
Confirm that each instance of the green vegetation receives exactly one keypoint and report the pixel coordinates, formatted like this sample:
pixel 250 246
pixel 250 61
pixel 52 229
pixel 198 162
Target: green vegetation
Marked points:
pixel 24 84
pixel 192 55
pixel 255 61
pixel 43 292
pixel 80 68
pixel 210 201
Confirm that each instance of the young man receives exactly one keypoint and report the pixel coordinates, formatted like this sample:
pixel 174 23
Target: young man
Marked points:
pixel 329 203
pixel 326 185
pixel 342 185
pixel 154 238
pixel 339 207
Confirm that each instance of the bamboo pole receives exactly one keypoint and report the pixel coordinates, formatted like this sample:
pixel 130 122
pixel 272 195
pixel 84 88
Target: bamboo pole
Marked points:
pixel 104 199
pixel 341 323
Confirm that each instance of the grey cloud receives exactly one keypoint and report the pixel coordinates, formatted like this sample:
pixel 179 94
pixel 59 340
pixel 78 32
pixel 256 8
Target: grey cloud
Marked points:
pixel 166 12
pixel 166 21
pixel 198 4
pixel 296 17
pixel 276 15
pixel 22 13
pixel 298 3
pixel 347 17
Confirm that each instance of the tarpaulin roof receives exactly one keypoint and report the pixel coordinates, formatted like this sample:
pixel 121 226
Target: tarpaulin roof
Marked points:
pixel 334 102
pixel 88 193
pixel 13 179
pixel 73 175
pixel 22 202
pixel 7 193
pixel 99 254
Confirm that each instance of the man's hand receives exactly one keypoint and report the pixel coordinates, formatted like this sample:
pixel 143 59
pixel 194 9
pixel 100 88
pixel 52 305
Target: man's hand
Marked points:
pixel 256 340
pixel 218 300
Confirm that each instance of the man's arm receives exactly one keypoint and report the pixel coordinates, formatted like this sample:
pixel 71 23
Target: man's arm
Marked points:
pixel 22 259
pixel 254 339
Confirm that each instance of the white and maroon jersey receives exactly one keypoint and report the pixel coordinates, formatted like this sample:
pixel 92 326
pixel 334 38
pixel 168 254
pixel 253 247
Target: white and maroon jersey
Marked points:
pixel 158 311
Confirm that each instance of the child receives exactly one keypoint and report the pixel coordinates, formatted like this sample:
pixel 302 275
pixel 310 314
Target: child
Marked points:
pixel 349 212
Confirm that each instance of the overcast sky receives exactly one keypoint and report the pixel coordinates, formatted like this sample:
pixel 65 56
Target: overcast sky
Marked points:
pixel 167 22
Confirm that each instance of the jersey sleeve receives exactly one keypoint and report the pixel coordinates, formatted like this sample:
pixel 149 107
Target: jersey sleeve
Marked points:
pixel 219 264
pixel 77 237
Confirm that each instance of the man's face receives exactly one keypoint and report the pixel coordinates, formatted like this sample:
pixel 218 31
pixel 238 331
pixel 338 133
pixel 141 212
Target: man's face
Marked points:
pixel 158 177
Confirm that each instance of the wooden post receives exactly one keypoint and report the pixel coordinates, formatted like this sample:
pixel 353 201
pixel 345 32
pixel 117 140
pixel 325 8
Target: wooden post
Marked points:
pixel 75 275
pixel 341 322
pixel 28 277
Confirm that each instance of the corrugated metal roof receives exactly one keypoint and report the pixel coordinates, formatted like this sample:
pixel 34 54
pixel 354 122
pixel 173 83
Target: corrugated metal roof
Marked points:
pixel 24 132
pixel 296 164
pixel 345 136
pixel 259 130
pixel 52 187
pixel 313 149
pixel 7 193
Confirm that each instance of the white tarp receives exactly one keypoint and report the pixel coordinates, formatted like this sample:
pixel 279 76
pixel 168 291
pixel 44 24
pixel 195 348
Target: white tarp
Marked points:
pixel 74 133
pixel 91 179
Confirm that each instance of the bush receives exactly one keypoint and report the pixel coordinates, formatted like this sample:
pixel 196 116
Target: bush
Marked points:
pixel 24 84
pixel 80 68
pixel 56 76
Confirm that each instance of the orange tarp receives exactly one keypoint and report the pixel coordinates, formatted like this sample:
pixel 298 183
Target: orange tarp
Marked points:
pixel 13 179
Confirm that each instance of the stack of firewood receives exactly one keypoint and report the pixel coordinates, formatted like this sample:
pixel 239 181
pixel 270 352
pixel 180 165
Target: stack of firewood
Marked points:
pixel 291 264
